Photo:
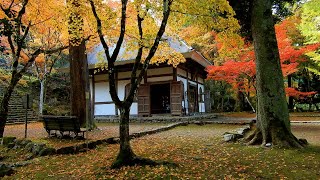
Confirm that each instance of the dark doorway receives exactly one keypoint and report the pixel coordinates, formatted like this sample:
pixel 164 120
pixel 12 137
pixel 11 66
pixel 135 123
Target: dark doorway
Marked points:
pixel 160 98
pixel 192 99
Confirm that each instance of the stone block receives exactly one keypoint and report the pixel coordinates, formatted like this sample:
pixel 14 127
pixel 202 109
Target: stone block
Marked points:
pixel 47 151
pixel 7 140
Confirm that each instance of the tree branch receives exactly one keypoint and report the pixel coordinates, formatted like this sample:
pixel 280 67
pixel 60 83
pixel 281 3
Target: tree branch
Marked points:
pixel 37 53
pixel 166 13
pixel 122 30
pixel 137 62
pixel 99 30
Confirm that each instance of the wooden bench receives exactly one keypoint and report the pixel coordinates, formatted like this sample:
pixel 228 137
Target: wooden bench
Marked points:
pixel 63 124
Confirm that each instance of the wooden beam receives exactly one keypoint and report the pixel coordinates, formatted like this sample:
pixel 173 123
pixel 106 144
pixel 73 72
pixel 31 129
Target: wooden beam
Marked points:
pixel 174 74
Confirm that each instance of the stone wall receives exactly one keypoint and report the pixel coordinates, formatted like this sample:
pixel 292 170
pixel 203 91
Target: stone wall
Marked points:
pixel 17 114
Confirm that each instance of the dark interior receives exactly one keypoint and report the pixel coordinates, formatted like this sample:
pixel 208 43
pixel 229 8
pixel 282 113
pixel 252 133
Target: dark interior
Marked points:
pixel 160 98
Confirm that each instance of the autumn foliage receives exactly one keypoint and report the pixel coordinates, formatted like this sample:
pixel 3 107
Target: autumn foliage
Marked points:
pixel 240 71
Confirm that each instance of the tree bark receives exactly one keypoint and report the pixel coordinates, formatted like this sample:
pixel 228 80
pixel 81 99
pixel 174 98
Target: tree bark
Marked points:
pixel 273 125
pixel 126 155
pixel 41 98
pixel 77 79
pixel 5 103
pixel 78 58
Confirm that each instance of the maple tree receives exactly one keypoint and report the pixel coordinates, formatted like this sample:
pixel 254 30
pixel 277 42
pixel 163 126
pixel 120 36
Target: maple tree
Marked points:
pixel 239 68
pixel 18 19
pixel 48 35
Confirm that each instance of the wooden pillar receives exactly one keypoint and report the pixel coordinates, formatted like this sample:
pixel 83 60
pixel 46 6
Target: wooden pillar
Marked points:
pixel 93 100
pixel 187 95
pixel 197 93
pixel 116 83
pixel 174 74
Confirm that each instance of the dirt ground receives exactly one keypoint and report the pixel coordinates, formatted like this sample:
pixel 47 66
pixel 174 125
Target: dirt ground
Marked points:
pixel 36 131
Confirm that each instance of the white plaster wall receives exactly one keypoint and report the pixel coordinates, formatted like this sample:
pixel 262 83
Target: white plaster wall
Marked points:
pixel 91 88
pixel 201 107
pixel 201 104
pixel 102 95
pixel 134 109
pixel 102 92
pixel 121 88
pixel 104 109
pixel 185 100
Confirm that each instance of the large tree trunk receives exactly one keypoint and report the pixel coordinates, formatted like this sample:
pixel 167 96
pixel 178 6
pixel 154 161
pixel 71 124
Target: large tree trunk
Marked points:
pixel 4 111
pixel 78 95
pixel 126 155
pixel 77 53
pixel 273 125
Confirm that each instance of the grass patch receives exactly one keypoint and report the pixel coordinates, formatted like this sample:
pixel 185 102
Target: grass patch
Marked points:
pixel 197 151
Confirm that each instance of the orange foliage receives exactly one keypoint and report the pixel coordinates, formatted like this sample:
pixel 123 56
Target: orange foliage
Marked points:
pixel 240 72
pixel 298 94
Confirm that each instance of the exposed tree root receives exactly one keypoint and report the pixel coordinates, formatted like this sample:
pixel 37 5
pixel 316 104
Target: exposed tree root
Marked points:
pixel 254 138
pixel 284 140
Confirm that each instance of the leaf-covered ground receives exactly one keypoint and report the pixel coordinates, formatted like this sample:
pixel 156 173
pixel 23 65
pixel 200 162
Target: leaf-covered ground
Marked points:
pixel 195 152
pixel 36 132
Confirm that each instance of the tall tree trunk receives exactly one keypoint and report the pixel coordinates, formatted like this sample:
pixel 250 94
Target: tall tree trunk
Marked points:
pixel 77 79
pixel 5 103
pixel 41 98
pixel 4 111
pixel 126 155
pixel 273 125
pixel 78 58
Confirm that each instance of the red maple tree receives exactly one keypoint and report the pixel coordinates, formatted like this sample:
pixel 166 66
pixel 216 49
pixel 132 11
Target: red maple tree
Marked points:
pixel 240 72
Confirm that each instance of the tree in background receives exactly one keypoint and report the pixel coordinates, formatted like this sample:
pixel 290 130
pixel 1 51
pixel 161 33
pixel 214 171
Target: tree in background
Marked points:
pixel 50 33
pixel 17 20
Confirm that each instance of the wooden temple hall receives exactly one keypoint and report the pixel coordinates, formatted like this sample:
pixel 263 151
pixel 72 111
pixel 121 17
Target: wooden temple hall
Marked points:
pixel 164 90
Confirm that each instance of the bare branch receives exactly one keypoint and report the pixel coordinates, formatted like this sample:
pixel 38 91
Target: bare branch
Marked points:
pixel 99 29
pixel 53 62
pixel 37 53
pixel 166 13
pixel 137 61
pixel 122 30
